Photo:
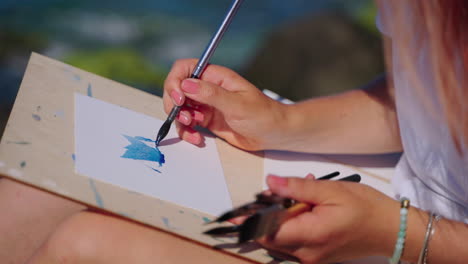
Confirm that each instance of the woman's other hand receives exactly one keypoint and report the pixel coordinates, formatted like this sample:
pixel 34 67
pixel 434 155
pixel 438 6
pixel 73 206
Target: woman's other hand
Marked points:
pixel 348 221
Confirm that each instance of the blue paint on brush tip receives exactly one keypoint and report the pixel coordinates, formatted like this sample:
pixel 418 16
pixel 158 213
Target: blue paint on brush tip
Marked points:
pixel 139 150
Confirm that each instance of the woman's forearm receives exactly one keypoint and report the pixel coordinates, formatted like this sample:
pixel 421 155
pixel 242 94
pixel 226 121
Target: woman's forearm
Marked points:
pixel 358 122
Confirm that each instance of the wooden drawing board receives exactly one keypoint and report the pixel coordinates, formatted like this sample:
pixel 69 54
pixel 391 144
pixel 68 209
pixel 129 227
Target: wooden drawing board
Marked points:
pixel 37 148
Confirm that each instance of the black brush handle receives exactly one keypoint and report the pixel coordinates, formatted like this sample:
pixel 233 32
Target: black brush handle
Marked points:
pixel 352 178
pixel 224 230
pixel 329 176
pixel 162 133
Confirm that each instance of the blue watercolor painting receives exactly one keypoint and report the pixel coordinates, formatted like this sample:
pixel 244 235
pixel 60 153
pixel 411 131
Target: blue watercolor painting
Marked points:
pixel 139 150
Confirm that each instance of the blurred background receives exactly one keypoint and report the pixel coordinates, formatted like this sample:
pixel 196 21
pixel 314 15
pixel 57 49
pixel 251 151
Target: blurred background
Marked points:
pixel 296 48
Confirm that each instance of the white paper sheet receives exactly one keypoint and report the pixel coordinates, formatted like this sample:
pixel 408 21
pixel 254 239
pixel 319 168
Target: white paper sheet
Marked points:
pixel 300 164
pixel 107 135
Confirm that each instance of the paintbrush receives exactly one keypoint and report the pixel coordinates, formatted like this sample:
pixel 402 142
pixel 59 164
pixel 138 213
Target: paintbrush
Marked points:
pixel 267 221
pixel 201 65
pixel 261 201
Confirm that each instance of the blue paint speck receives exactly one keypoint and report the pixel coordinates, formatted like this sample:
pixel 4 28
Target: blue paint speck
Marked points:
pixel 36 117
pixel 97 196
pixel 19 142
pixel 166 222
pixel 73 156
pixel 158 171
pixel 138 150
pixel 23 164
pixel 59 113
pixel 124 214
pixel 206 219
pixel 76 77
pixel 90 90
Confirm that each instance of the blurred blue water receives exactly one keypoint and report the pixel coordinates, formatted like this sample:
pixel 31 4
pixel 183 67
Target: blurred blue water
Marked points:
pixel 160 30
pixel 181 25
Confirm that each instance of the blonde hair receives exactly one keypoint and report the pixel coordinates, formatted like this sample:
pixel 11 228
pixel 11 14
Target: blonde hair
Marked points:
pixel 442 26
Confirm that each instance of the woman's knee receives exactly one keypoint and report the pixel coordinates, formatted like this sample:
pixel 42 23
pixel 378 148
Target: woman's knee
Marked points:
pixel 95 238
pixel 76 240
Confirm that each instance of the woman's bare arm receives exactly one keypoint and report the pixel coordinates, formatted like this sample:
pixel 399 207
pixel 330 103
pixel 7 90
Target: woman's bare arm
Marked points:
pixel 360 121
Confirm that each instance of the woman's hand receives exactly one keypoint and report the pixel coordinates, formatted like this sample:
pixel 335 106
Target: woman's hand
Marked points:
pixel 348 220
pixel 225 103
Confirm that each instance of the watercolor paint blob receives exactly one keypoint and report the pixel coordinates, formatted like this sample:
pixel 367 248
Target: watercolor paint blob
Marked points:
pixel 139 150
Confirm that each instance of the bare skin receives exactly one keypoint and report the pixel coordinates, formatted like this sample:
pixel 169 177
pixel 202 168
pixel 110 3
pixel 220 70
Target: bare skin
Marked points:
pixel 353 220
pixel 95 238
pixel 360 121
pixel 32 216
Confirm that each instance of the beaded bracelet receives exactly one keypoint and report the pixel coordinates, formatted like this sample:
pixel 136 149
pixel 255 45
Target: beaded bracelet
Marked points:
pixel 433 219
pixel 400 244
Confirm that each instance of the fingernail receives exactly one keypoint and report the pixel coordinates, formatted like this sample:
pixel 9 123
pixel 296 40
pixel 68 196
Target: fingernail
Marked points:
pixel 176 97
pixel 199 117
pixel 191 86
pixel 194 139
pixel 278 181
pixel 184 119
pixel 310 176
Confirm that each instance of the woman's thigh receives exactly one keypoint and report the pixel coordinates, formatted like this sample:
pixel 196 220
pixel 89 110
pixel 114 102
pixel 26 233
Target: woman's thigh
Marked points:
pixel 89 237
pixel 28 217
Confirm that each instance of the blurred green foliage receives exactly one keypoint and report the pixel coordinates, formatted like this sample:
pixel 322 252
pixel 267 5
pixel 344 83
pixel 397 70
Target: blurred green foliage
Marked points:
pixel 120 64
pixel 134 42
pixel 15 43
pixel 366 15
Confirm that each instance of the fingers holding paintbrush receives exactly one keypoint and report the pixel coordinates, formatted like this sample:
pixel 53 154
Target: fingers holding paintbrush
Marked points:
pixel 196 72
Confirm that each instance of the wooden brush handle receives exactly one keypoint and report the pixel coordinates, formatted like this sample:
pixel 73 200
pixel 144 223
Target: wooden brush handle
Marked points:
pixel 300 208
pixel 297 209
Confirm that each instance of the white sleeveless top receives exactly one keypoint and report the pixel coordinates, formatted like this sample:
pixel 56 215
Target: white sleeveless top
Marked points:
pixel 431 173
